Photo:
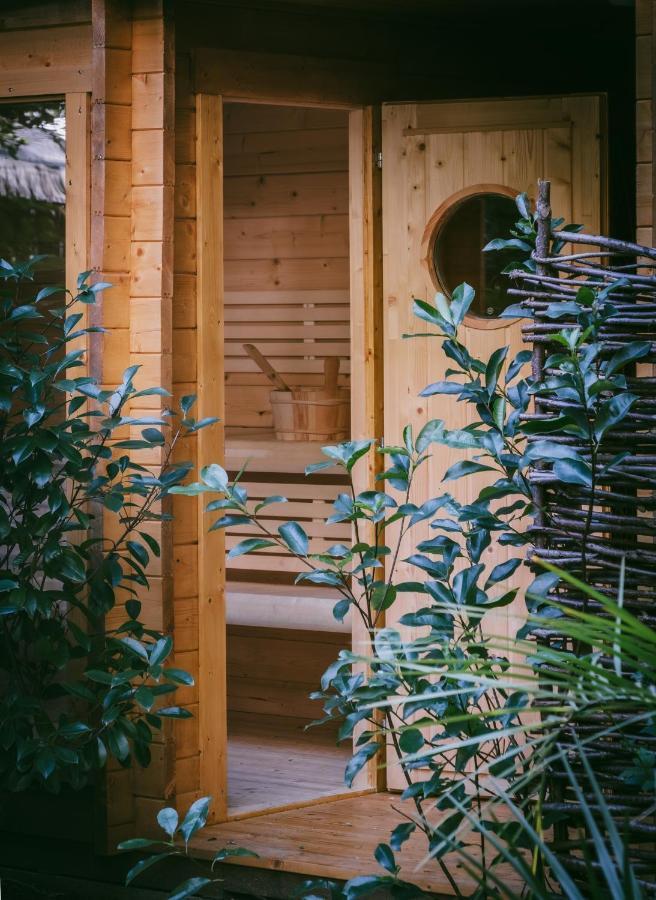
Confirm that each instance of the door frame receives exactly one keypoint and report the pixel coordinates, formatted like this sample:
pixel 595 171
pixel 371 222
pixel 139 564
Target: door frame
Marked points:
pixel 366 346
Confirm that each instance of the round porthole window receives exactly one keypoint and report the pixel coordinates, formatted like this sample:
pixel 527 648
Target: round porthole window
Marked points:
pixel 461 234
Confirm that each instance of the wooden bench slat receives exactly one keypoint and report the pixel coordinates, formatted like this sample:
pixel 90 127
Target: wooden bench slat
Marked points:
pixel 280 606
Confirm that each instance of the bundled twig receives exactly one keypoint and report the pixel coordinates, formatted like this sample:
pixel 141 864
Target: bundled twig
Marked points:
pixel 604 534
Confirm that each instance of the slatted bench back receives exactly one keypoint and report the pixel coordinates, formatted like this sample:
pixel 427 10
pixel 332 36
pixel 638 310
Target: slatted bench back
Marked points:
pixel 295 330
pixel 309 505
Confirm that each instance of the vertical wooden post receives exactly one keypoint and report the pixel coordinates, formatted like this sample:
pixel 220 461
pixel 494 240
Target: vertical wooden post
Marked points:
pixel 77 191
pixel 366 293
pixel 212 711
pixel 109 256
pixel 151 176
pixel 366 265
pixel 543 208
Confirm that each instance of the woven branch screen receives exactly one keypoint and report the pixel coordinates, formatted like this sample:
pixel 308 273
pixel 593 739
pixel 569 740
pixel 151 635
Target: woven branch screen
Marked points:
pixel 602 533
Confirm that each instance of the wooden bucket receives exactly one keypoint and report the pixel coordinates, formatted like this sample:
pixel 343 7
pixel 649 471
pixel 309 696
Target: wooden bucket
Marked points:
pixel 311 414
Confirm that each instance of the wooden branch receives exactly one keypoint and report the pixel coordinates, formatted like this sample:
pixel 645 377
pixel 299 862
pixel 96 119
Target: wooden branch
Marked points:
pixel 577 237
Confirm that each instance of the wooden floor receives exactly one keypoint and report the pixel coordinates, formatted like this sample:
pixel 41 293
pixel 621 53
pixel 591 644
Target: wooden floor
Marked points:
pixel 274 763
pixel 335 839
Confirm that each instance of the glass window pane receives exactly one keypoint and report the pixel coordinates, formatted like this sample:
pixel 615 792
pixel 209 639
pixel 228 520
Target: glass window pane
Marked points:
pixel 457 255
pixel 33 186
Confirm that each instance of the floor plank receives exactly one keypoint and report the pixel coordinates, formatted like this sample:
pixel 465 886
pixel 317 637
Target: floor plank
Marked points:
pixel 273 763
pixel 334 839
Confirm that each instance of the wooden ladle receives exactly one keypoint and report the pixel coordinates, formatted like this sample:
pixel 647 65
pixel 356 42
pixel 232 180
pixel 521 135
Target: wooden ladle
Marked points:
pixel 263 363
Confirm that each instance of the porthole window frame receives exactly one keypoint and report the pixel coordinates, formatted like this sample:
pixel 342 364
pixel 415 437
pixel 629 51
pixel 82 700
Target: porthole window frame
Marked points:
pixel 439 217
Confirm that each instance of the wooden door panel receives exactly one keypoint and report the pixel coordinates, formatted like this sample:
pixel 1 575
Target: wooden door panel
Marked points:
pixel 435 153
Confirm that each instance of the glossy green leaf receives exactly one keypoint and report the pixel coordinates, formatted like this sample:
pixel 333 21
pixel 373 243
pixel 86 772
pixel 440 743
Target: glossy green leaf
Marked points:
pixel 249 546
pixel 215 477
pixel 294 537
pixel 465 467
pixel 190 887
pixel 357 761
pixel 411 740
pixel 573 471
pixel 196 818
pixel 612 412
pixel 385 857
pixel 627 354
pixel 145 864
pixel 167 819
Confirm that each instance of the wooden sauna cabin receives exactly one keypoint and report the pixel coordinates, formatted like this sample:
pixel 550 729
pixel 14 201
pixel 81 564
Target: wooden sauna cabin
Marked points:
pixel 288 174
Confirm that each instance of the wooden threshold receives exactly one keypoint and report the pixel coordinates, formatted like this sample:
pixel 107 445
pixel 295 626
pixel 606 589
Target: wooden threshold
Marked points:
pixel 334 839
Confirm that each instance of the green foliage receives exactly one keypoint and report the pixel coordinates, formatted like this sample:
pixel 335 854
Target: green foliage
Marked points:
pixel 584 701
pixel 75 692
pixel 179 834
pixel 444 695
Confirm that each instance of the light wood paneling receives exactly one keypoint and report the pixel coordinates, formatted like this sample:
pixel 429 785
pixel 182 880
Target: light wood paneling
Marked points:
pixel 272 671
pixel 46 61
pixel 289 237
pixel 209 351
pixel 286 248
pixel 287 274
pixel 316 193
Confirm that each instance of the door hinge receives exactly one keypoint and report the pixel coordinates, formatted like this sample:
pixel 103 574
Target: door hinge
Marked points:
pixel 379 159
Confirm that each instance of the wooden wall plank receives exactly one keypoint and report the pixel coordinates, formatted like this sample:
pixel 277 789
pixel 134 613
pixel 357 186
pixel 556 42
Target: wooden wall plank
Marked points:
pixel 35 15
pixel 248 196
pixel 45 61
pixel 239 119
pixel 288 237
pixel 240 74
pixel 286 274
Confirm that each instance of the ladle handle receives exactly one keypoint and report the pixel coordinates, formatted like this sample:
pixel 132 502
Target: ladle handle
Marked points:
pixel 330 373
pixel 266 367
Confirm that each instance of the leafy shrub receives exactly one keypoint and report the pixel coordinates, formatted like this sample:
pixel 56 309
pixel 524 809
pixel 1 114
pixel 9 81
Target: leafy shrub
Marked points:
pixel 448 700
pixel 75 691
pixel 179 834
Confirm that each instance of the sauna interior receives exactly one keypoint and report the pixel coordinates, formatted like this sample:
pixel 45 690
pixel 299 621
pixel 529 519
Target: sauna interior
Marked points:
pixel 287 293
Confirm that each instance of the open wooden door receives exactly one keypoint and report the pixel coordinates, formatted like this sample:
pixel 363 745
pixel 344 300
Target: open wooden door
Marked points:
pixel 210 448
pixel 450 171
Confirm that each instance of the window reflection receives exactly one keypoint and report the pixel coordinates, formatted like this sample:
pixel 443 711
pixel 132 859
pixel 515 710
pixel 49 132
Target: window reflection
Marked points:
pixel 457 256
pixel 33 186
